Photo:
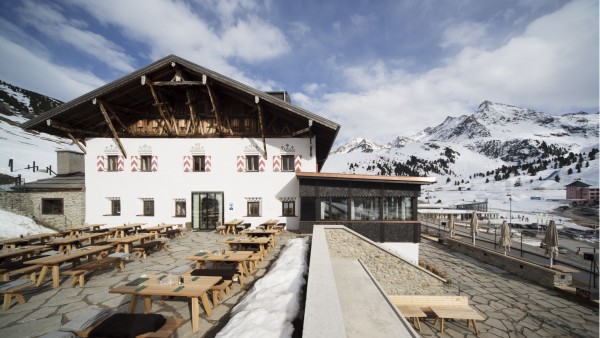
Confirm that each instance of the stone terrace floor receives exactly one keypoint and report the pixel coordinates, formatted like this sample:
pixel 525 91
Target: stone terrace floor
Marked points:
pixel 513 306
pixel 47 309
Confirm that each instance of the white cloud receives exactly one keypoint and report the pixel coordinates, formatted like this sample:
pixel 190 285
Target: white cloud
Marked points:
pixel 463 34
pixel 50 22
pixel 313 88
pixel 28 69
pixel 552 66
pixel 173 27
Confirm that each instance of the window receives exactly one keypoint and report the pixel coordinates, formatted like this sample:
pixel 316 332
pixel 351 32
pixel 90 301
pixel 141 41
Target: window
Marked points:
pixel 199 163
pixel 253 209
pixel 252 163
pixel 288 208
pixel 115 207
pixel 333 208
pixel 365 208
pixel 113 163
pixel 287 162
pixel 52 206
pixel 179 208
pixel 145 163
pixel 148 207
pixel 397 208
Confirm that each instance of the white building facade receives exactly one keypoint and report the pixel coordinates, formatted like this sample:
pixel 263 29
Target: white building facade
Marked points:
pixel 203 181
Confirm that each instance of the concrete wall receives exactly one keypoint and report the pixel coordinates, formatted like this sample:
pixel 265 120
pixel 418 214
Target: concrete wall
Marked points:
pixel 170 181
pixel 394 274
pixel 30 205
pixel 68 162
pixel 532 272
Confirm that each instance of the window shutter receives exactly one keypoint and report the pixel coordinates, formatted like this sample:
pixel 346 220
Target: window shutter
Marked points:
pixel 207 163
pixel 121 163
pixel 241 163
pixel 100 163
pixel 276 163
pixel 298 163
pixel 187 163
pixel 135 161
pixel 154 163
pixel 262 162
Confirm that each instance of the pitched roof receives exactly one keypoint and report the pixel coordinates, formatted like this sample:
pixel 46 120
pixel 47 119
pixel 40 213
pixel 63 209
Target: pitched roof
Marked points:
pixel 368 178
pixel 578 183
pixel 75 181
pixel 129 92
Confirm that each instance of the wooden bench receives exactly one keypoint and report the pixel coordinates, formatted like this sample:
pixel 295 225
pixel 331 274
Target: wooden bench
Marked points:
pixel 142 250
pixel 27 271
pixel 224 285
pixel 442 307
pixel 78 273
pixel 15 290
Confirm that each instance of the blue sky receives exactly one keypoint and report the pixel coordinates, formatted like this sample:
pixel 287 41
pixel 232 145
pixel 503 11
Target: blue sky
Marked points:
pixel 379 68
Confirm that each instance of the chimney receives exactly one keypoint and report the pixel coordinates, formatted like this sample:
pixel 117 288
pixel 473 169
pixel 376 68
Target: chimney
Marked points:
pixel 69 162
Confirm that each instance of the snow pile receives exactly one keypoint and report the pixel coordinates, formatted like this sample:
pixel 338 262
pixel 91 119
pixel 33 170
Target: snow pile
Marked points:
pixel 13 225
pixel 274 301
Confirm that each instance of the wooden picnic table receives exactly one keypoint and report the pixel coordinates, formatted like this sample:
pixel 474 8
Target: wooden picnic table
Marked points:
pixel 444 312
pixel 239 257
pixel 29 239
pixel 230 225
pixel 84 228
pixel 272 234
pixel 260 241
pixel 121 231
pixel 55 261
pixel 270 223
pixel 126 242
pixel 156 230
pixel 23 252
pixel 67 243
pixel 194 287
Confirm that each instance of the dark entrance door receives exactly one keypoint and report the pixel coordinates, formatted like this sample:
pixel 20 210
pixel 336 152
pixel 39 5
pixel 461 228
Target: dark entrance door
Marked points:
pixel 207 210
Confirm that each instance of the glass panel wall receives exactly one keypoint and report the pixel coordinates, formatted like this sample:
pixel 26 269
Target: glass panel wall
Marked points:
pixel 365 208
pixel 397 208
pixel 333 208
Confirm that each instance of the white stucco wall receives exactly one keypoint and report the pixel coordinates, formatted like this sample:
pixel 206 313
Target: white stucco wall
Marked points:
pixel 170 182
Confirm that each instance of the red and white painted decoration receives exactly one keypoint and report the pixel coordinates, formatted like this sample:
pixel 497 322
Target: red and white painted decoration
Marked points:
pixel 135 162
pixel 298 163
pixel 100 162
pixel 207 163
pixel 154 166
pixel 240 163
pixel 121 163
pixel 187 163
pixel 276 163
pixel 262 162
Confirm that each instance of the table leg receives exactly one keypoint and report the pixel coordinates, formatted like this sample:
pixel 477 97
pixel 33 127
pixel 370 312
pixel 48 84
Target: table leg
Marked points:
pixel 206 304
pixel 441 325
pixel 7 301
pixel 148 304
pixel 55 276
pixel 42 275
pixel 243 268
pixel 126 248
pixel 133 304
pixel 195 314
pixel 474 327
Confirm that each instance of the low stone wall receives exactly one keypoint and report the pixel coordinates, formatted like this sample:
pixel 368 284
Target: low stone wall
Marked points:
pixel 532 272
pixel 396 276
pixel 29 204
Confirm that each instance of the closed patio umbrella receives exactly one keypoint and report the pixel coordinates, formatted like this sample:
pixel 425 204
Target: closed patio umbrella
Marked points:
pixel 551 241
pixel 505 241
pixel 474 230
pixel 451 226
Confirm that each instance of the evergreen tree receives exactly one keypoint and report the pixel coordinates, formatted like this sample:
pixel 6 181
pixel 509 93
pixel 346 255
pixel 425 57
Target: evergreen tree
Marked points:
pixel 569 172
pixel 557 178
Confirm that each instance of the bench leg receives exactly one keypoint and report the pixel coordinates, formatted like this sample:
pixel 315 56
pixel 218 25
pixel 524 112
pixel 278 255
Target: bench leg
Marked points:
pixel 7 301
pixel 81 280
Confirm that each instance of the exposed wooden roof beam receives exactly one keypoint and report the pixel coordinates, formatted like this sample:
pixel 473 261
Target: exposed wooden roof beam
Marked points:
pixel 76 141
pixel 261 123
pixel 69 129
pixel 177 83
pixel 301 131
pixel 211 95
pixel 111 127
pixel 112 111
pixel 159 105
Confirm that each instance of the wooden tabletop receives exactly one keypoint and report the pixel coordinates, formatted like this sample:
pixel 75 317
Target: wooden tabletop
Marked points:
pixel 28 238
pixel 20 251
pixel 236 221
pixel 130 239
pixel 241 240
pixel 61 258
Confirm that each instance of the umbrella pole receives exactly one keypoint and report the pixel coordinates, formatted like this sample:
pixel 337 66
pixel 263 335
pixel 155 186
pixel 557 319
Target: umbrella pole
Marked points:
pixel 550 260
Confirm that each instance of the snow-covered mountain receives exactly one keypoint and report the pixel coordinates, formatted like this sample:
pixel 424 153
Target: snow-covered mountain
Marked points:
pixel 360 145
pixel 494 136
pixel 25 148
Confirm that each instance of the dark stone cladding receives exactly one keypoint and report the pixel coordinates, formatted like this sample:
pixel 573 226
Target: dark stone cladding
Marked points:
pixel 375 231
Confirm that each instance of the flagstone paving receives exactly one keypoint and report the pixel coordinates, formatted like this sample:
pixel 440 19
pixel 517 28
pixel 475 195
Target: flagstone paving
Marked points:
pixel 47 309
pixel 513 306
